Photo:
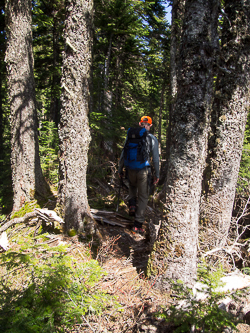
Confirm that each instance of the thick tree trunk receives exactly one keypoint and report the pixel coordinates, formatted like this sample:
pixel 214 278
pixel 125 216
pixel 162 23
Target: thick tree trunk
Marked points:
pixel 175 253
pixel 74 131
pixel 27 176
pixel 178 8
pixel 230 109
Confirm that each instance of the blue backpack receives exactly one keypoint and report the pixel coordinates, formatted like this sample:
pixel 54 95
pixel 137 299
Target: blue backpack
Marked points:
pixel 136 152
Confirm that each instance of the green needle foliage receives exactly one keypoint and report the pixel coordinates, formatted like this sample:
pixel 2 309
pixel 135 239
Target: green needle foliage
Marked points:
pixel 202 315
pixel 48 147
pixel 130 61
pixel 46 290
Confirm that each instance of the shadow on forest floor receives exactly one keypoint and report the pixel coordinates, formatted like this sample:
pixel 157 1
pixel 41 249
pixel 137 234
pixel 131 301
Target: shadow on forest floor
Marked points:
pixel 128 245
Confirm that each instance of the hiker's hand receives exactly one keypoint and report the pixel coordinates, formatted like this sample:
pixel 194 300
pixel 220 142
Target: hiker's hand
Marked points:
pixel 155 180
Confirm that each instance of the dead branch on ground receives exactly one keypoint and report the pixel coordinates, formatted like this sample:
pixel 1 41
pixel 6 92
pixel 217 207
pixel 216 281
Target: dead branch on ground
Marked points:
pixel 48 216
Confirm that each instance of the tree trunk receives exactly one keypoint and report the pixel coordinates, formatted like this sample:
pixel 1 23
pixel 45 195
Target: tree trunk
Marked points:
pixel 176 31
pixel 1 123
pixel 230 109
pixel 27 175
pixel 175 253
pixel 74 131
pixel 108 100
pixel 54 103
pixel 160 114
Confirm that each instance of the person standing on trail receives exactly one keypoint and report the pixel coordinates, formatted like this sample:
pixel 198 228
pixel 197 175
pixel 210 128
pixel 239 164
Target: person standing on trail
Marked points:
pixel 135 156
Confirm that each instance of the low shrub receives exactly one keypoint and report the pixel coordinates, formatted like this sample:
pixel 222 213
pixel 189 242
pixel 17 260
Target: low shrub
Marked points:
pixel 44 289
pixel 191 314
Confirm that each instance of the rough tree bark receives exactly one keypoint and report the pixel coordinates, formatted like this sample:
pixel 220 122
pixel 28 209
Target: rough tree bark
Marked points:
pixel 175 251
pixel 27 175
pixel 163 88
pixel 54 101
pixel 2 80
pixel 178 7
pixel 230 109
pixel 74 131
pixel 176 31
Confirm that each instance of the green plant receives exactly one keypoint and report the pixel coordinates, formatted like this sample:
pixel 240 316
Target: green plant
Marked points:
pixel 48 145
pixel 246 270
pixel 47 290
pixel 203 314
pixel 27 208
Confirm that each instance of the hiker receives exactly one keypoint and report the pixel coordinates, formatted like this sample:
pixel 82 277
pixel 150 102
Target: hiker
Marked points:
pixel 135 156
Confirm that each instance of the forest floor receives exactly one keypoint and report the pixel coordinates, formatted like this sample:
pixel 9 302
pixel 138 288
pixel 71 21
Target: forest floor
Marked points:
pixel 124 257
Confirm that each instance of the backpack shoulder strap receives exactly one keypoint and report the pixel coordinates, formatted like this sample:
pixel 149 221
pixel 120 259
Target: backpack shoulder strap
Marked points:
pixel 136 133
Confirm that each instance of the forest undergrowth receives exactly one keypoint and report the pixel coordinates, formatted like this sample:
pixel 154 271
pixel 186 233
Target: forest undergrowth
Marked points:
pixel 51 282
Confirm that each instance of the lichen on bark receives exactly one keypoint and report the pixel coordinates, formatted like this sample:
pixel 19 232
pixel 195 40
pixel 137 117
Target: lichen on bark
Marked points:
pixel 74 134
pixel 27 179
pixel 178 238
pixel 228 119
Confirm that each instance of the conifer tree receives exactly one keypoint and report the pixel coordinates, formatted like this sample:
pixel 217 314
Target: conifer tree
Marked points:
pixel 130 57
pixel 229 116
pixel 157 59
pixel 5 169
pixel 2 78
pixel 48 19
pixel 175 253
pixel 74 134
pixel 117 48
pixel 176 32
pixel 27 178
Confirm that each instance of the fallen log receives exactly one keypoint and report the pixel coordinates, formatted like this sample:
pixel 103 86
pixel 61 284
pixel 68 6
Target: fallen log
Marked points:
pixel 49 216
pixel 17 220
pixel 111 218
pixel 103 219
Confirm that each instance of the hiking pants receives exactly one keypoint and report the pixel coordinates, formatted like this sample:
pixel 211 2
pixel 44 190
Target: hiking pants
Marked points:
pixel 138 184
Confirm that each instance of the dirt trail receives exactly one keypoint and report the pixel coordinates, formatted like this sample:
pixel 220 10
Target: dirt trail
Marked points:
pixel 138 248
